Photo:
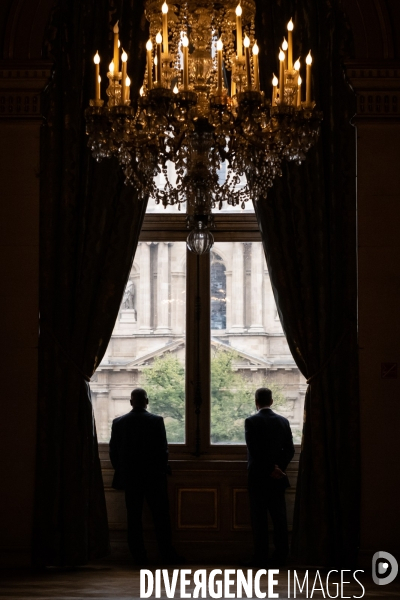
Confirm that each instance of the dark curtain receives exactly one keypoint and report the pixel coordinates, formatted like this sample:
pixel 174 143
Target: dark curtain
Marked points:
pixel 89 229
pixel 308 227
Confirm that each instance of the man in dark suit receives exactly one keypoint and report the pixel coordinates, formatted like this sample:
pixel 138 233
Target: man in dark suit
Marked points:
pixel 270 449
pixel 139 455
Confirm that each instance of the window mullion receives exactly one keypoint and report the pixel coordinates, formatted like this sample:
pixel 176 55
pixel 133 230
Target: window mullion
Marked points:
pixel 198 353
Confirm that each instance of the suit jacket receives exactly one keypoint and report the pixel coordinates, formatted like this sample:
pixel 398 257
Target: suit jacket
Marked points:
pixel 138 447
pixel 269 442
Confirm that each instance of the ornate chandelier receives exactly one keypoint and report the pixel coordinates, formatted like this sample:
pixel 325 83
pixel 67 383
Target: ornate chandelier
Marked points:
pixel 190 139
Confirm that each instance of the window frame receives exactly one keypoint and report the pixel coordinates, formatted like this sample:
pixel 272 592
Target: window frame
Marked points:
pixel 158 227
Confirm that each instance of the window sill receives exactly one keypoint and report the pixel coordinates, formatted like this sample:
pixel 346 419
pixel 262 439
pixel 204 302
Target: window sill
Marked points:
pixel 214 454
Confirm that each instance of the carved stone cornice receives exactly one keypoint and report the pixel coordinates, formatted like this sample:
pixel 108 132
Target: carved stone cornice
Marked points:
pixel 377 87
pixel 21 84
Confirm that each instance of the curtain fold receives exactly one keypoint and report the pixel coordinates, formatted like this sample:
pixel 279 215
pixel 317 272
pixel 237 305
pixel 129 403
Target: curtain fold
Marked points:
pixel 308 228
pixel 89 229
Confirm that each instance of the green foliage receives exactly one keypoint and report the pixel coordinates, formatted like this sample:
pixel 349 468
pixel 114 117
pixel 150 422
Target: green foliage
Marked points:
pixel 165 386
pixel 232 396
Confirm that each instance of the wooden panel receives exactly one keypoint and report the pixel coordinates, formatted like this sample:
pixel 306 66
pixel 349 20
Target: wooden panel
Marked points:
pixel 241 510
pixel 197 508
pixel 209 509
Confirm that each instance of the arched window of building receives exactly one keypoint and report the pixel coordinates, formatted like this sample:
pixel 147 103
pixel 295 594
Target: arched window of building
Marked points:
pixel 218 292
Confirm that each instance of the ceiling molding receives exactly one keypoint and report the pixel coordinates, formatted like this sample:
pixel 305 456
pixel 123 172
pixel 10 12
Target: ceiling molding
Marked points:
pixel 377 87
pixel 21 85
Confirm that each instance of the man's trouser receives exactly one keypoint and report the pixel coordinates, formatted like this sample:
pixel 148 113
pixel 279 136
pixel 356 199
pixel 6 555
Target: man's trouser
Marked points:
pixel 151 487
pixel 268 496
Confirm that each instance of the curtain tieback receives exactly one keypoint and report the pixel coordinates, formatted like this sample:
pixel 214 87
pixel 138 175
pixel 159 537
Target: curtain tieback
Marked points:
pixel 66 354
pixel 328 360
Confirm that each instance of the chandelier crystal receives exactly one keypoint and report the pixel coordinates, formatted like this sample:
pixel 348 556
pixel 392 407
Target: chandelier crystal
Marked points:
pixel 189 138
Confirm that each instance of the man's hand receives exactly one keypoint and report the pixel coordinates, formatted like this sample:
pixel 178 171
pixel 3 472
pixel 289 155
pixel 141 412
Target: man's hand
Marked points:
pixel 277 473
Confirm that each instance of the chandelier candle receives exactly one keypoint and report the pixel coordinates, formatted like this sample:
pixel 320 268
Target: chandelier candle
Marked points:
pixel 246 45
pixel 285 49
pixel 149 48
pixel 256 68
pixel 219 50
pixel 296 67
pixel 239 43
pixel 127 89
pixel 185 44
pixel 124 59
pixel 274 89
pixel 116 51
pixel 308 80
pixel 159 62
pixel 290 27
pixel 96 61
pixel 299 82
pixel 281 76
pixel 164 10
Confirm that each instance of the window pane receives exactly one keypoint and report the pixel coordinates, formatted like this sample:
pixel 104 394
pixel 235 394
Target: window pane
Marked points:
pixel 248 347
pixel 147 347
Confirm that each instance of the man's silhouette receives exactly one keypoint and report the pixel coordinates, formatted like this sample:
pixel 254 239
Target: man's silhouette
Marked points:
pixel 270 449
pixel 139 455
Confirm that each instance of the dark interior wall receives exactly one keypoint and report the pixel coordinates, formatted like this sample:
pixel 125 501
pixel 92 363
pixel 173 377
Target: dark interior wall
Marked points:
pixel 24 26
pixel 22 77
pixel 19 269
pixel 374 31
pixel 5 7
pixel 377 34
pixel 379 331
pixel 394 15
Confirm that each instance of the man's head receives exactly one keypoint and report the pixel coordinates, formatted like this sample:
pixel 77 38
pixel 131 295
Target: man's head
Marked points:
pixel 139 398
pixel 263 398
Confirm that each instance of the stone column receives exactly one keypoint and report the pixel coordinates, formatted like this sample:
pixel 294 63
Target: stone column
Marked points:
pixel 237 288
pixel 178 307
pixel 269 305
pixel 101 416
pixel 257 267
pixel 228 300
pixel 144 291
pixel 163 285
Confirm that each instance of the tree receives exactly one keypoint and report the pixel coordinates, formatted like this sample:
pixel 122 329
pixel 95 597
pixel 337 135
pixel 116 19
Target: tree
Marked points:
pixel 232 396
pixel 164 381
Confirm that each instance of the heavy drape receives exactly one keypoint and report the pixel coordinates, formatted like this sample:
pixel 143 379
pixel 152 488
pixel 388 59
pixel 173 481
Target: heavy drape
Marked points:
pixel 90 224
pixel 308 227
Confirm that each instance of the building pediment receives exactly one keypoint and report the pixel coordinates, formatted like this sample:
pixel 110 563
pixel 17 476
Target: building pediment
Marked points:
pixel 243 360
